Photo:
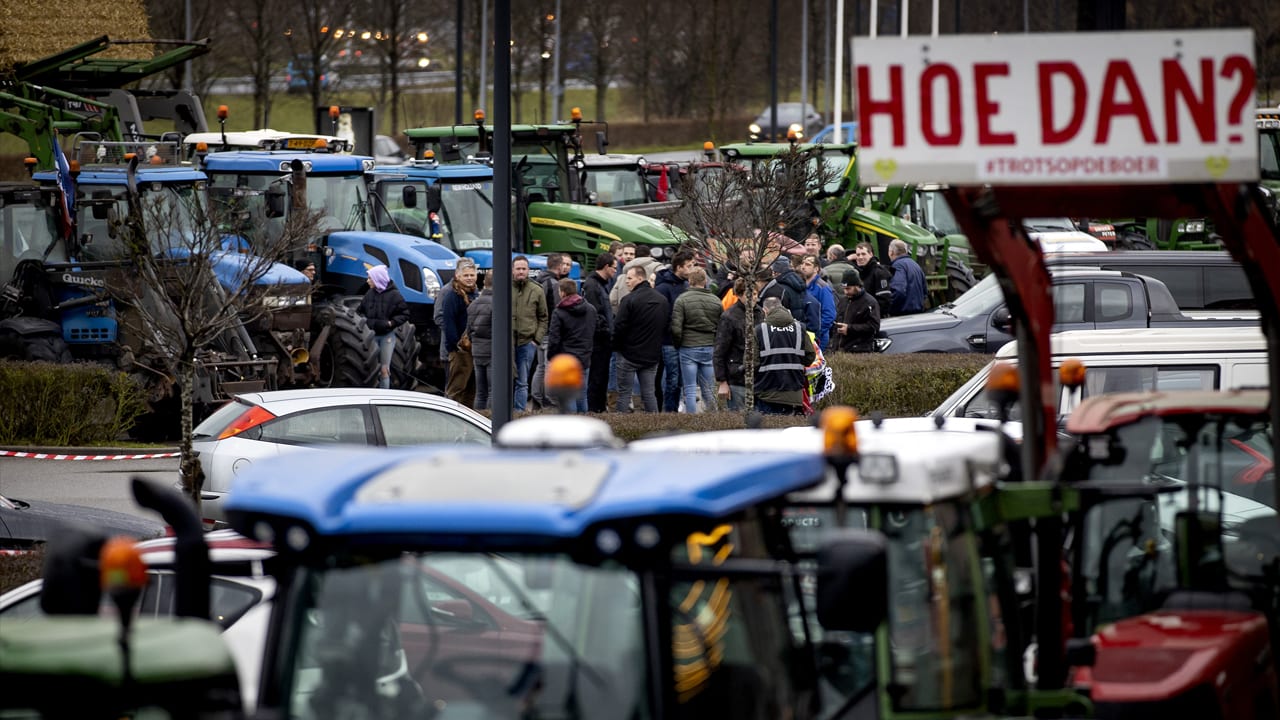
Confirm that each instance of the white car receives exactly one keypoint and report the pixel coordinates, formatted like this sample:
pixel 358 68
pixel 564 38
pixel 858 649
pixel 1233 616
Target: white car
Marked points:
pixel 240 597
pixel 256 426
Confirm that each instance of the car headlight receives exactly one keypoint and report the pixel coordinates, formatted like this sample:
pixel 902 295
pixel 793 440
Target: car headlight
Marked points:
pixel 754 129
pixel 430 282
pixel 882 344
pixel 278 302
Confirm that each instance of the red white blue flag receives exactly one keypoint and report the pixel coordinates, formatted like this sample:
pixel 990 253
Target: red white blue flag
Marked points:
pixel 67 188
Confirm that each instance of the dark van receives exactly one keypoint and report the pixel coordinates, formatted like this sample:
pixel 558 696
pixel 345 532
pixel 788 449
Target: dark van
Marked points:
pixel 1197 279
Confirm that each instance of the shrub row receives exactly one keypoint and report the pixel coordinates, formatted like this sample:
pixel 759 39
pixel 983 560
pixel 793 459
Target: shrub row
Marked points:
pixel 65 405
pixel 21 569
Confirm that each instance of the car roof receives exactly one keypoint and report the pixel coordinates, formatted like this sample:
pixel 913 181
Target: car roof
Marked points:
pixel 289 401
pixel 1190 338
pixel 1142 257
pixel 491 496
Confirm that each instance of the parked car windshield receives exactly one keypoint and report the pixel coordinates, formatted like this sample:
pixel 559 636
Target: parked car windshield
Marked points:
pixel 488 637
pixel 981 299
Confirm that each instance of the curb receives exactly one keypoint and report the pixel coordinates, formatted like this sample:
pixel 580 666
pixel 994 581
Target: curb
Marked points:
pixel 42 453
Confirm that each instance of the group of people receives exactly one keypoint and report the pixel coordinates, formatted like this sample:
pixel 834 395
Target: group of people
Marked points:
pixel 673 334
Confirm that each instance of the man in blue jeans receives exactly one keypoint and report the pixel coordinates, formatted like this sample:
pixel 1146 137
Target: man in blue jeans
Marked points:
pixel 529 318
pixel 693 327
pixel 670 282
pixel 637 336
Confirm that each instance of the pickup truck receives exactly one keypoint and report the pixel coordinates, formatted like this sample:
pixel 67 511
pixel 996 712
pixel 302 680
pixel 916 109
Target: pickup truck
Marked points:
pixel 1084 299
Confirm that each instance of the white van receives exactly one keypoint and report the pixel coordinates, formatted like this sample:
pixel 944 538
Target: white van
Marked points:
pixel 1212 358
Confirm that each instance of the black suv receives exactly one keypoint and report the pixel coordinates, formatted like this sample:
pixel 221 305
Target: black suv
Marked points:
pixel 1198 279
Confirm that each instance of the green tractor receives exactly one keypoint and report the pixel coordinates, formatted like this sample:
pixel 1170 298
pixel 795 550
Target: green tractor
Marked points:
pixel 555 213
pixel 1269 156
pixel 849 214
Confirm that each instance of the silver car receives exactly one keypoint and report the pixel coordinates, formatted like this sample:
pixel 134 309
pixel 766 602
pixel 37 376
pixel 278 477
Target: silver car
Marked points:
pixel 255 426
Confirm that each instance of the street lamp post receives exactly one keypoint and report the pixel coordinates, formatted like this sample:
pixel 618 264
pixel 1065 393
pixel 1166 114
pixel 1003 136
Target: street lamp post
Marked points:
pixel 557 89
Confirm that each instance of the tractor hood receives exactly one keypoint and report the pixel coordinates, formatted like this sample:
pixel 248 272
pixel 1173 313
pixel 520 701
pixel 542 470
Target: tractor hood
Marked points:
pixel 431 253
pixel 232 269
pixel 537 263
pixel 592 224
pixel 891 225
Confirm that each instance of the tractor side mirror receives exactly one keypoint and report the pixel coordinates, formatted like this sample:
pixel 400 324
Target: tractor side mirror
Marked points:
pixel 275 203
pixel 1002 320
pixel 450 149
pixel 101 204
pixel 853 571
pixel 409 196
pixel 433 198
pixel 601 141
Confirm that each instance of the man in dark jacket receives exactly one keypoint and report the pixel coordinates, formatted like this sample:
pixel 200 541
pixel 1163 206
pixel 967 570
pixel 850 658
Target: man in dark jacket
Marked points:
pixel 789 287
pixel 875 277
pixel 573 328
pixel 908 286
pixel 596 290
pixel 670 283
pixel 558 267
pixel 480 330
pixel 731 344
pixel 783 351
pixel 459 372
pixel 637 336
pixel 858 320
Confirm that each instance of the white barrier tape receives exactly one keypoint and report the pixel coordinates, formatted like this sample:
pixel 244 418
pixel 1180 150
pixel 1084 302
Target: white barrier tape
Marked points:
pixel 56 456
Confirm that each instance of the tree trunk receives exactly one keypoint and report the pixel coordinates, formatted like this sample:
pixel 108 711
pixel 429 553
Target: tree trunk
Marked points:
pixel 188 465
pixel 749 351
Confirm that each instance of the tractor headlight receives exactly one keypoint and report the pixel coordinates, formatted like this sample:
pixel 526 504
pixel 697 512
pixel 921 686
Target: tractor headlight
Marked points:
pixel 279 302
pixel 1191 226
pixel 880 469
pixel 430 282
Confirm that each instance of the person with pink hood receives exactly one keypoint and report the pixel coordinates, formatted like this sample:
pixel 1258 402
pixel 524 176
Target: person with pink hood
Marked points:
pixel 384 310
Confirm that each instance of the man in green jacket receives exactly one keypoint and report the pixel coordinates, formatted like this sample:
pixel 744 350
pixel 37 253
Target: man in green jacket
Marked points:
pixel 694 320
pixel 528 323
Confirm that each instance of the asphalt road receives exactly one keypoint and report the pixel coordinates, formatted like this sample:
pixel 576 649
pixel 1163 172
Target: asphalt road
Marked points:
pixel 101 484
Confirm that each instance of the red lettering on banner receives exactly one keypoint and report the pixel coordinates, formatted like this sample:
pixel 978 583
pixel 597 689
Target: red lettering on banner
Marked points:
pixel 1178 86
pixel 868 108
pixel 988 107
pixel 1119 72
pixel 928 126
pixel 1238 65
pixel 1080 97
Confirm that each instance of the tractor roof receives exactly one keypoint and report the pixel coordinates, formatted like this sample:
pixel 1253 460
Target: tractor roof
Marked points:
pixel 278 162
pixel 472 172
pixel 767 150
pixel 486 497
pixel 472 131
pixel 1101 413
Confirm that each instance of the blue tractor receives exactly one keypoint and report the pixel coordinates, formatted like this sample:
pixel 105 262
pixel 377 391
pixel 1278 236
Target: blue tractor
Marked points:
pixel 76 298
pixel 450 204
pixel 350 239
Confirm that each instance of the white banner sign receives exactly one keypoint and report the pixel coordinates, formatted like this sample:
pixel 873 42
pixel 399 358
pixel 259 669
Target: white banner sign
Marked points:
pixel 1057 109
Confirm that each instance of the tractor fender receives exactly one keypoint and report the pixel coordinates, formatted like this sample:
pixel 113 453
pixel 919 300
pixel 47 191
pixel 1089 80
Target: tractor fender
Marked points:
pixel 27 326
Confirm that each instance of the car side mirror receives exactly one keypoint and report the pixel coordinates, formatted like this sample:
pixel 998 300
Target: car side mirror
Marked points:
pixel 409 196
pixel 853 571
pixel 1002 320
pixel 434 202
pixel 275 203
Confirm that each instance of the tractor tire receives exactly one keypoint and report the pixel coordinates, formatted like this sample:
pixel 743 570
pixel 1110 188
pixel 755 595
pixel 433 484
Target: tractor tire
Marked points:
pixel 46 348
pixel 960 278
pixel 350 355
pixel 404 363
pixel 1130 240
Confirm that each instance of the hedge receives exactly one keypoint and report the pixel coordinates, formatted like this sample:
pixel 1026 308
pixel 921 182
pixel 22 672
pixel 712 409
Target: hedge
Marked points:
pixel 75 404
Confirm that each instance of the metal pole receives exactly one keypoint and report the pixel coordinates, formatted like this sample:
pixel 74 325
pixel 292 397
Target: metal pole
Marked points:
pixel 875 18
pixel 934 26
pixel 484 53
pixel 773 70
pixel 502 390
pixel 905 6
pixel 839 83
pixel 557 92
pixel 457 65
pixel 804 52
pixel 187 84
pixel 826 57
pixel 1026 17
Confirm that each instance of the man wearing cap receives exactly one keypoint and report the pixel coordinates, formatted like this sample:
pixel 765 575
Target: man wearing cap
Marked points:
pixel 858 319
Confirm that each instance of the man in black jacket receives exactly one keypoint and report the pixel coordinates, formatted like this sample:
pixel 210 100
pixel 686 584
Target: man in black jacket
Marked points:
pixel 573 326
pixel 637 336
pixel 596 290
pixel 858 319
pixel 731 345
pixel 558 267
pixel 875 277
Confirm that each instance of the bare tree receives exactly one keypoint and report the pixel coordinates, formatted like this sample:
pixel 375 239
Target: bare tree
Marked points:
pixel 601 25
pixel 168 21
pixel 314 37
pixel 192 287
pixel 256 31
pixel 743 217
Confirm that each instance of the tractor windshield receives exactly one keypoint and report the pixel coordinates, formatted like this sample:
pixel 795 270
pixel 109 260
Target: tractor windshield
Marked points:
pixel 487 636
pixel 1269 154
pixel 1210 464
pixel 27 232
pixel 339 199
pixel 616 186
pixel 171 213
pixel 543 163
pixel 464 223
